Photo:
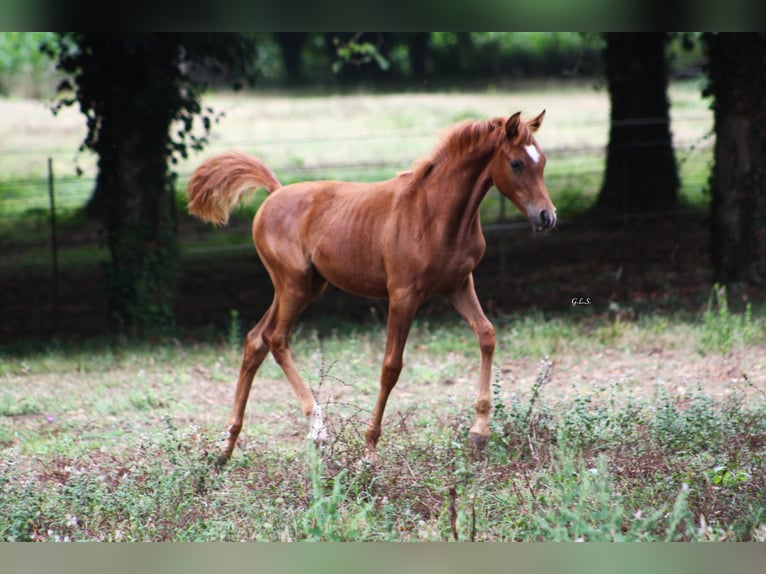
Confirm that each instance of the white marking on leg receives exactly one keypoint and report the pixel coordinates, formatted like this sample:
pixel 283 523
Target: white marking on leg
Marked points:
pixel 318 430
pixel 532 152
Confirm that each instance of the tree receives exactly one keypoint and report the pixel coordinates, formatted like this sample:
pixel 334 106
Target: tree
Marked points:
pixel 140 93
pixel 641 172
pixel 418 42
pixel 737 85
pixel 291 44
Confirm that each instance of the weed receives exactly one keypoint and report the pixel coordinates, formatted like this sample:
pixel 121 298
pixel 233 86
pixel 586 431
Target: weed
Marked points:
pixel 332 515
pixel 722 329
pixel 585 424
pixel 693 424
pixel 146 400
pixel 724 476
pixel 13 408
pixel 583 504
pixel 234 333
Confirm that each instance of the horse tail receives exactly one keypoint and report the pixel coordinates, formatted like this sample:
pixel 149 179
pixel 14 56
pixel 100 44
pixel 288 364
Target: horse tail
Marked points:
pixel 222 180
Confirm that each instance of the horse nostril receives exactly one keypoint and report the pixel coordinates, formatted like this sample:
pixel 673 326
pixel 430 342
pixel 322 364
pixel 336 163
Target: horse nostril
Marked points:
pixel 545 219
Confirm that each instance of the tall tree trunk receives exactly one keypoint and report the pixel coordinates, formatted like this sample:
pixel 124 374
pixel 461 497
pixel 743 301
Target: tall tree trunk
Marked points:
pixel 134 181
pixel 140 93
pixel 138 218
pixel 291 44
pixel 641 172
pixel 738 183
pixel 419 54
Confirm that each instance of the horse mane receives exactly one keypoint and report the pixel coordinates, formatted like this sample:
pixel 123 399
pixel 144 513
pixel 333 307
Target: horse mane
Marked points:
pixel 470 136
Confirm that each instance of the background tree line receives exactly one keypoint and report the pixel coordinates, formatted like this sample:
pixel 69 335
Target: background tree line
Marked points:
pixel 381 60
pixel 141 95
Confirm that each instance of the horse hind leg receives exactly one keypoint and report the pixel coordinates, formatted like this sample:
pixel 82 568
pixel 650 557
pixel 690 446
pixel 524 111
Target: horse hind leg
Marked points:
pixel 292 300
pixel 255 352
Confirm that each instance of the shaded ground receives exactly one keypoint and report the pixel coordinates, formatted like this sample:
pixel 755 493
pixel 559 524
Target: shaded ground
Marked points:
pixel 626 267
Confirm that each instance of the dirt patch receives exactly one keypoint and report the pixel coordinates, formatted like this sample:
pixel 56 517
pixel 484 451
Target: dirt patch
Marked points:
pixel 273 409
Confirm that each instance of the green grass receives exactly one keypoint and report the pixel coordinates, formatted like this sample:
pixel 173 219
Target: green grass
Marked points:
pixel 594 436
pixel 722 328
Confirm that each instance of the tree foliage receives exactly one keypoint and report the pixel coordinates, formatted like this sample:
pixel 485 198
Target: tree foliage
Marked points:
pixel 22 64
pixel 106 70
pixel 384 59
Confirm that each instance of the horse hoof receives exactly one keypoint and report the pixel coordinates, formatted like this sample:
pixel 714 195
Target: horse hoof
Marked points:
pixel 478 441
pixel 320 438
pixel 364 463
pixel 222 460
pixel 370 457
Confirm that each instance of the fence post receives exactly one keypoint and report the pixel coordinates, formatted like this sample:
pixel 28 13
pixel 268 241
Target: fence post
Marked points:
pixel 54 247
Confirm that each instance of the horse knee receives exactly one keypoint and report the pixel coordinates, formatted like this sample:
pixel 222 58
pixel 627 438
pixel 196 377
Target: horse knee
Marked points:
pixel 255 343
pixel 392 366
pixel 254 337
pixel 277 345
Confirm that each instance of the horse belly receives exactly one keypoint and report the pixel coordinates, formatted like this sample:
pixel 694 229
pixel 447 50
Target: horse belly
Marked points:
pixel 337 227
pixel 351 270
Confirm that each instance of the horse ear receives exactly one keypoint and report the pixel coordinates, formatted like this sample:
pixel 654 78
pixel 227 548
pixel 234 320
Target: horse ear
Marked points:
pixel 512 126
pixel 534 124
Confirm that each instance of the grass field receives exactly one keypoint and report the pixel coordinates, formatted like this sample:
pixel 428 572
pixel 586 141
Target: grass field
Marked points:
pixel 601 430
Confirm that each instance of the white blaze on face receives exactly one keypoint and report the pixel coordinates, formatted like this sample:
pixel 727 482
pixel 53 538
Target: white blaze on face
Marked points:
pixel 532 152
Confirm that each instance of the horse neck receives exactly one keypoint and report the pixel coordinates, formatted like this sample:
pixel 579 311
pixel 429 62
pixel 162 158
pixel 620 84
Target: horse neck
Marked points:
pixel 455 193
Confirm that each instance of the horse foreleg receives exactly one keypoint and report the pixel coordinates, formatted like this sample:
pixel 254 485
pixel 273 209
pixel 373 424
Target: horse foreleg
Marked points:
pixel 255 352
pixel 400 315
pixel 467 304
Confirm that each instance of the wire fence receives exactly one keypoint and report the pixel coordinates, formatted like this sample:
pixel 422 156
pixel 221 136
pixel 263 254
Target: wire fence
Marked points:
pixel 576 169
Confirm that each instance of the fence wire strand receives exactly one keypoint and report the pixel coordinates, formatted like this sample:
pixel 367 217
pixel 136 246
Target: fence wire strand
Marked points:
pixel 28 196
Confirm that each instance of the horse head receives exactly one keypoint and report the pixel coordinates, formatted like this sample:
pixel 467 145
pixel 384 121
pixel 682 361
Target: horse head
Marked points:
pixel 517 171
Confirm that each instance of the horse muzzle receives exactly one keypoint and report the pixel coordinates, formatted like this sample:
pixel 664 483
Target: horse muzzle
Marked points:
pixel 546 219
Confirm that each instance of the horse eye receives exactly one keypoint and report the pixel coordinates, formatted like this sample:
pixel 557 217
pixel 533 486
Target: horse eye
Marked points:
pixel 517 165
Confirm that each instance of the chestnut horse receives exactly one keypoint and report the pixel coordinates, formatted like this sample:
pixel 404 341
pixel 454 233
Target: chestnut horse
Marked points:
pixel 406 239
